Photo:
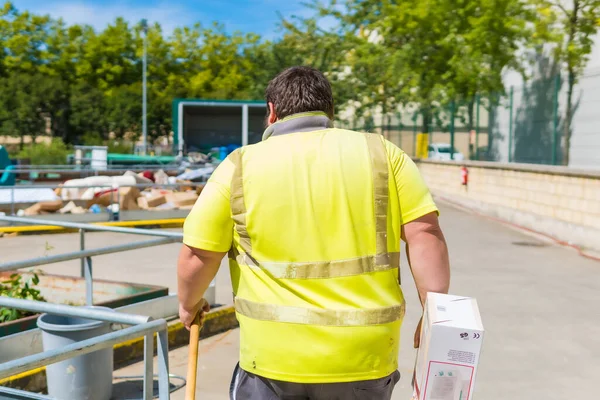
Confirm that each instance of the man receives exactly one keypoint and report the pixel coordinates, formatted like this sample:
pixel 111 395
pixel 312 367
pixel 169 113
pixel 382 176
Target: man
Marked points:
pixel 312 218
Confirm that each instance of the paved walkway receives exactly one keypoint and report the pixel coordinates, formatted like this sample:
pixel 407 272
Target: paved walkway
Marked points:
pixel 539 306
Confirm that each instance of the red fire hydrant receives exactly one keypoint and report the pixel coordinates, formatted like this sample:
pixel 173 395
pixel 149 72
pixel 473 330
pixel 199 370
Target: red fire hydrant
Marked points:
pixel 464 176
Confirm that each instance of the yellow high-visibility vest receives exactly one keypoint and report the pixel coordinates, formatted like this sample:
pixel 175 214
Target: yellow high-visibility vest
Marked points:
pixel 312 217
pixel 336 318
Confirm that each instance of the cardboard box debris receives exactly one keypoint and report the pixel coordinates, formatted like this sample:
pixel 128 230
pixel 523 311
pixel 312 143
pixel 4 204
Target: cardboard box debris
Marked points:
pixel 165 207
pixel 128 198
pixel 79 210
pixel 44 207
pixel 451 341
pixel 147 202
pixel 68 208
pixel 103 198
pixel 181 199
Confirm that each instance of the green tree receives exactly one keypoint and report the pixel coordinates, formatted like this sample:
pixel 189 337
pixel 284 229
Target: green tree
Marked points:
pixel 437 50
pixel 87 112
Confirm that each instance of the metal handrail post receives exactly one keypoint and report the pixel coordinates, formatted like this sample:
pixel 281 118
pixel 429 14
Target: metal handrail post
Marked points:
pixel 82 247
pixel 89 282
pixel 12 200
pixel 163 364
pixel 148 393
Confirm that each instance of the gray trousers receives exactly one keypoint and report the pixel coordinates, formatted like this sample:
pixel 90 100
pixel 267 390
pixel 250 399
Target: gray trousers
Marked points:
pixel 247 386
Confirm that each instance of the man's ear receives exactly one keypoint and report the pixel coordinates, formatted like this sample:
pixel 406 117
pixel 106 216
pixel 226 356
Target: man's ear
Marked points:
pixel 272 116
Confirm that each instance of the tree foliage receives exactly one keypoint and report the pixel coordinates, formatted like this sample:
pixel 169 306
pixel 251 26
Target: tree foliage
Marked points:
pixel 75 82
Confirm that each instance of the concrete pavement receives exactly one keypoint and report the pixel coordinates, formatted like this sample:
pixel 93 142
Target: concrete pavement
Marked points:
pixel 539 306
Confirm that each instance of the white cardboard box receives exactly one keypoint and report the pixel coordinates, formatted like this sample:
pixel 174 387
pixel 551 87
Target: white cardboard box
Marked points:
pixel 451 338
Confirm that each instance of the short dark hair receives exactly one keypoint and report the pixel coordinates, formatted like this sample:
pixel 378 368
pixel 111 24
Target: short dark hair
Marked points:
pixel 300 89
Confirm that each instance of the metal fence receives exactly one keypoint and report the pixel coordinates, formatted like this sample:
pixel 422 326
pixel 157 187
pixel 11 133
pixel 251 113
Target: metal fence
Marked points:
pixel 84 255
pixel 142 325
pixel 461 124
pixel 529 124
pixel 525 124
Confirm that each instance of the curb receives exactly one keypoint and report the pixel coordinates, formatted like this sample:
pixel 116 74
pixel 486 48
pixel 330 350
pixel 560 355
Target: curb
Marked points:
pixel 216 321
pixel 48 229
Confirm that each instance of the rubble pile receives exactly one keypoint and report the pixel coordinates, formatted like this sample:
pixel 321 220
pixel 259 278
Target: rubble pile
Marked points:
pixel 98 194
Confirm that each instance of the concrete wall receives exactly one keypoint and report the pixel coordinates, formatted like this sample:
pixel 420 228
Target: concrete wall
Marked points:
pixel 559 201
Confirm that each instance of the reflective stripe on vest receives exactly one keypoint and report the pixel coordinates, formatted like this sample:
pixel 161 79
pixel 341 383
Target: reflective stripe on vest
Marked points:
pixel 322 269
pixel 381 261
pixel 319 316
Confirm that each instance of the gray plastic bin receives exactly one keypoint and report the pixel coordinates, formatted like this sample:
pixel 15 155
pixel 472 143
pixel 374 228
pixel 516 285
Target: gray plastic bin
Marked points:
pixel 87 377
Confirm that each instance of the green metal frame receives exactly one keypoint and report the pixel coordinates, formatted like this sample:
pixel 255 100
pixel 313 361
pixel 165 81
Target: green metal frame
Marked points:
pixel 206 102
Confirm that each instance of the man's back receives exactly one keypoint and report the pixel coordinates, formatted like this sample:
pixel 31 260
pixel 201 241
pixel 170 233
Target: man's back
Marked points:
pixel 312 196
pixel 312 219
pixel 316 240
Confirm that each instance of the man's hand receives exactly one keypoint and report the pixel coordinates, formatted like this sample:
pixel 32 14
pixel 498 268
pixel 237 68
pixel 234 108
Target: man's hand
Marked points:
pixel 187 316
pixel 417 339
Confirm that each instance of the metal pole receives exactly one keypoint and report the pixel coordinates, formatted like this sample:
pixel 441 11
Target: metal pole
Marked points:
pixel 414 135
pixel 144 101
pixel 245 125
pixel 90 227
pixel 429 132
pixel 12 200
pixel 163 364
pixel 34 262
pixel 510 125
pixel 555 122
pixel 72 311
pixel 108 340
pixel 148 367
pixel 452 130
pixel 82 247
pixel 477 102
pixel 89 283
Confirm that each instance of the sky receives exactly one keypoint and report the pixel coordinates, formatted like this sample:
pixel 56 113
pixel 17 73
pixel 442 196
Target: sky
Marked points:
pixel 258 16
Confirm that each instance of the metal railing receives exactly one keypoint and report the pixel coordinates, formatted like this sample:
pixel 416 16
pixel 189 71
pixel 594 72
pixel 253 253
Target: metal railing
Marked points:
pixel 113 187
pixel 86 255
pixel 141 326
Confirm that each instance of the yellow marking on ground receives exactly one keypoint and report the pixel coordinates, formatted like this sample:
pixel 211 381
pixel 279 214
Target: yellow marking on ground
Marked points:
pixel 162 223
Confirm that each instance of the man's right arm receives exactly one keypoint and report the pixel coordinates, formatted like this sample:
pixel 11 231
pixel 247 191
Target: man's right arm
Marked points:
pixel 425 244
pixel 427 255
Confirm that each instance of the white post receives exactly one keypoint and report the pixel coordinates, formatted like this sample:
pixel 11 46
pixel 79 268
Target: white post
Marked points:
pixel 245 125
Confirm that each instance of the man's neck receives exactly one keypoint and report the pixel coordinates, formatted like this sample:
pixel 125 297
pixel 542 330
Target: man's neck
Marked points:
pixel 301 122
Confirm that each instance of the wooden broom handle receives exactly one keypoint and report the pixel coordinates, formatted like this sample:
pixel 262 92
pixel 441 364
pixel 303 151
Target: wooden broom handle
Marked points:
pixel 190 390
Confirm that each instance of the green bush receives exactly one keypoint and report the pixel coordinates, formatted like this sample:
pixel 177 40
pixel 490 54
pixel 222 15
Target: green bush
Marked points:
pixel 55 152
pixel 92 139
pixel 16 288
pixel 121 147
